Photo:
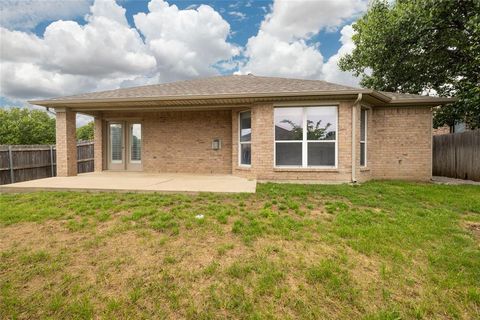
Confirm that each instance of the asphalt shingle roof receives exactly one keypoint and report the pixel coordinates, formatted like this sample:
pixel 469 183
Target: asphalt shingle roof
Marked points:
pixel 402 96
pixel 234 84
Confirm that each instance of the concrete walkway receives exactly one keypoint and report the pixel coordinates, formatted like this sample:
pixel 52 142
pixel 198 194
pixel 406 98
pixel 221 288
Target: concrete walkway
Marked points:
pixel 137 182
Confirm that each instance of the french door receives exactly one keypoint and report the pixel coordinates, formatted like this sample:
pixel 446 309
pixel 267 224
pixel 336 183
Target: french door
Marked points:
pixel 124 147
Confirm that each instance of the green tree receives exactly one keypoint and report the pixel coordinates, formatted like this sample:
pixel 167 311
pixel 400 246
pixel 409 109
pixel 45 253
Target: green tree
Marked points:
pixel 415 46
pixel 85 133
pixel 314 130
pixel 26 126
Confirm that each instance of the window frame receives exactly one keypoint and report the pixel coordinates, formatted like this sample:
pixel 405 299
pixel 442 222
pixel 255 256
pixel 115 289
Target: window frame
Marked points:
pixel 364 142
pixel 240 142
pixel 304 140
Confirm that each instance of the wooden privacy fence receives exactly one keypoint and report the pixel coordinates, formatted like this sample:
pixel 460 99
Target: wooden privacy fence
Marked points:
pixel 21 163
pixel 457 155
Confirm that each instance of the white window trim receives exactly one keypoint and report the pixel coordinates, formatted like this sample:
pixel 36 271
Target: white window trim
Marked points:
pixel 240 164
pixel 364 141
pixel 305 142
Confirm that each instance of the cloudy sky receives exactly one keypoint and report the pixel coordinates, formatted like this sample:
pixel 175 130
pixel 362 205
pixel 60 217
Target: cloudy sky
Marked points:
pixel 52 48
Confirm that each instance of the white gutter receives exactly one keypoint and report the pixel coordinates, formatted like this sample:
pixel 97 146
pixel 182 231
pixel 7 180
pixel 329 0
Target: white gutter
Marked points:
pixel 354 137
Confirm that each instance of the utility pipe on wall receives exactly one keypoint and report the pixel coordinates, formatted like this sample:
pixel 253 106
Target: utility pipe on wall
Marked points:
pixel 354 136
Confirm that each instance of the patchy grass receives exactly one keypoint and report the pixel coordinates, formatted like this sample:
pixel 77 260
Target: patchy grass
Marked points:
pixel 382 250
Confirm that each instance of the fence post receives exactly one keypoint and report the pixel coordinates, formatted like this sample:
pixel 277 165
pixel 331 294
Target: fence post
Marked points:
pixel 10 160
pixel 51 160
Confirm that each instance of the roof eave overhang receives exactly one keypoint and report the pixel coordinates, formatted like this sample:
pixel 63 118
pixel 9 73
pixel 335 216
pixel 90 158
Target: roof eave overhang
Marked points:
pixel 374 97
pixel 272 96
pixel 427 102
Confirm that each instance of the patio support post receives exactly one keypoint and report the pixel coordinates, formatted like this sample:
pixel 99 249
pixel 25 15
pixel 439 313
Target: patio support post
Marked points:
pixel 52 167
pixel 66 142
pixel 355 109
pixel 98 143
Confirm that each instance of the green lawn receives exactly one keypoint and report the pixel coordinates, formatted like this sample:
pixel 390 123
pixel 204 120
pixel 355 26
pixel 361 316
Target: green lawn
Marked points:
pixel 381 250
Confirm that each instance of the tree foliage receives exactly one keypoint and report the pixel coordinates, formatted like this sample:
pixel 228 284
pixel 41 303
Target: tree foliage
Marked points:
pixel 416 46
pixel 314 130
pixel 85 133
pixel 26 126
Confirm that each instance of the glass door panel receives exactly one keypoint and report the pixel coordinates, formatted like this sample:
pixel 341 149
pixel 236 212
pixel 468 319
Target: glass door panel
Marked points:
pixel 116 142
pixel 116 149
pixel 124 145
pixel 135 146
pixel 135 142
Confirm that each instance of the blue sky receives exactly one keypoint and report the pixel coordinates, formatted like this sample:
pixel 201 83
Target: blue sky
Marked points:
pixel 53 48
pixel 243 28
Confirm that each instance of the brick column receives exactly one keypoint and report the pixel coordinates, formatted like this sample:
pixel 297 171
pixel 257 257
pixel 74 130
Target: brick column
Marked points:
pixel 98 147
pixel 262 140
pixel 66 143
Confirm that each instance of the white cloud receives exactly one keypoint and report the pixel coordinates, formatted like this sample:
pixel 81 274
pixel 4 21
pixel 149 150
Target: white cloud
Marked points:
pixel 192 6
pixel 106 45
pixel 107 53
pixel 186 43
pixel 72 58
pixel 239 15
pixel 27 80
pixel 283 45
pixel 21 46
pixel 83 119
pixel 330 69
pixel 234 5
pixel 302 19
pixel 26 14
pixel 268 55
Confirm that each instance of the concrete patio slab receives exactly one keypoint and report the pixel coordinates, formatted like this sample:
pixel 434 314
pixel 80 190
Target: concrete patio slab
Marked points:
pixel 137 182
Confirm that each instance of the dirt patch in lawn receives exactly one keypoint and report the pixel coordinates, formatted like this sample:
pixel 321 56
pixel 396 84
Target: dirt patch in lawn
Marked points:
pixel 31 235
pixel 112 255
pixel 474 228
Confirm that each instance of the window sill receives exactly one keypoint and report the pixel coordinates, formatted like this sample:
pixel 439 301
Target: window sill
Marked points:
pixel 279 169
pixel 246 168
pixel 364 169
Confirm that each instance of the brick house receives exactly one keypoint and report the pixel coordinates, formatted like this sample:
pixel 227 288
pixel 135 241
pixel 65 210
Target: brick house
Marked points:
pixel 256 127
pixel 446 129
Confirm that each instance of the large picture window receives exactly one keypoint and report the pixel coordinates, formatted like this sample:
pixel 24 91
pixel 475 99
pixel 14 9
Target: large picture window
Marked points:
pixel 245 138
pixel 363 138
pixel 306 137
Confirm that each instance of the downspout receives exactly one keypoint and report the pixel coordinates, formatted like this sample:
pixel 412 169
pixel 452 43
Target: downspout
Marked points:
pixel 354 137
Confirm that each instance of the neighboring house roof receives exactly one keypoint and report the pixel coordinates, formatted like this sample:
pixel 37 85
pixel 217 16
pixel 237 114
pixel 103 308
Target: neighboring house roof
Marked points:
pixel 234 87
pixel 404 96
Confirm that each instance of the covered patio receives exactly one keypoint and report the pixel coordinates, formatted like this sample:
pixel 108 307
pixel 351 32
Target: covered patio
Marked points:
pixel 114 181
